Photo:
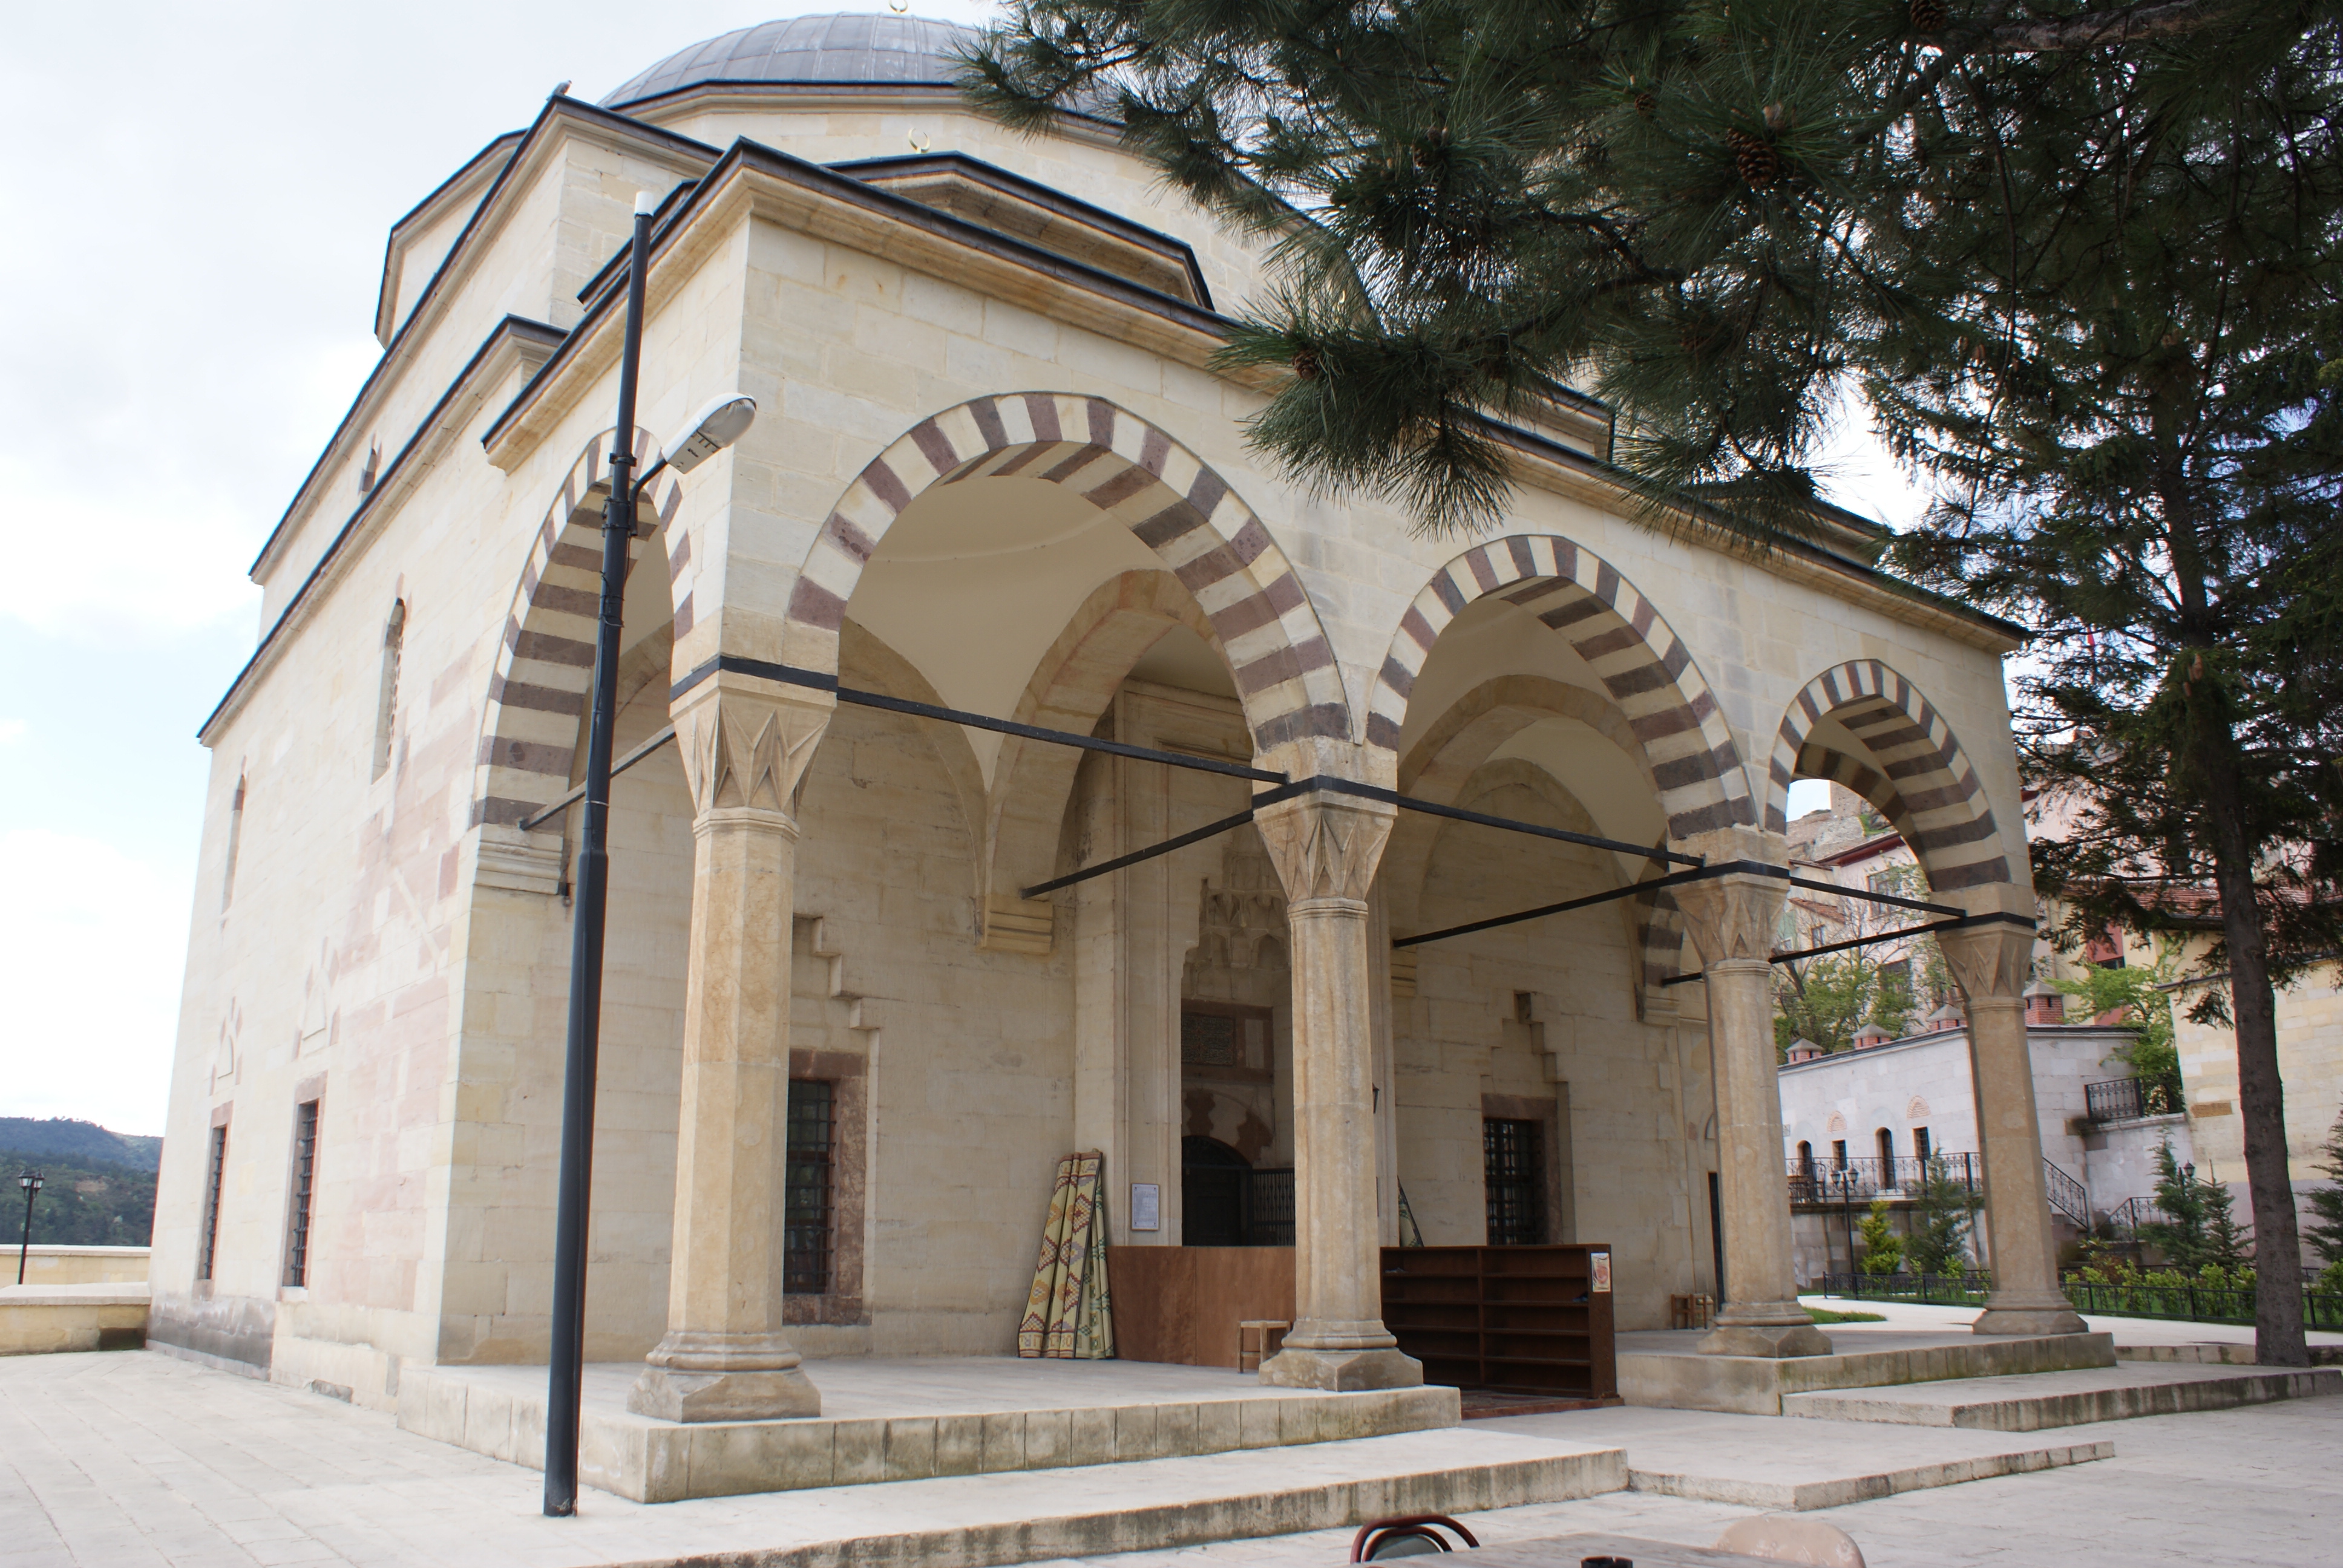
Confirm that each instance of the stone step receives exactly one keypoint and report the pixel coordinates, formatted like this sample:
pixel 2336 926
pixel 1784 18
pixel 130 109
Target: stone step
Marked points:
pixel 2041 1400
pixel 1672 1374
pixel 974 1522
pixel 1764 1462
pixel 906 1421
pixel 2212 1354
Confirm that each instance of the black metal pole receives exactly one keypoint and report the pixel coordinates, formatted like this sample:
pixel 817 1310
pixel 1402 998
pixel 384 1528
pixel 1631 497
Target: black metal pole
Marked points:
pixel 569 1358
pixel 24 1246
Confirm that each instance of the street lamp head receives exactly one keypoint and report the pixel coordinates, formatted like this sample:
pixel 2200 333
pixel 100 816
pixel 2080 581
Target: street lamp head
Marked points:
pixel 30 1181
pixel 715 427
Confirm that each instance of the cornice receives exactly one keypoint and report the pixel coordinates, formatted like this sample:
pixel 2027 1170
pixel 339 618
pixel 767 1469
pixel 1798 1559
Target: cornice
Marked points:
pixel 864 96
pixel 516 344
pixel 537 148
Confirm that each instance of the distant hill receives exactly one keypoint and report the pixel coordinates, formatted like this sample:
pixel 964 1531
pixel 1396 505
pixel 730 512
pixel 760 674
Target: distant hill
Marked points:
pixel 97 1187
pixel 62 1137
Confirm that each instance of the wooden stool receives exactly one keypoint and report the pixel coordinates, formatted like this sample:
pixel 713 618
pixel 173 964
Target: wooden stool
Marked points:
pixel 1691 1311
pixel 1259 1339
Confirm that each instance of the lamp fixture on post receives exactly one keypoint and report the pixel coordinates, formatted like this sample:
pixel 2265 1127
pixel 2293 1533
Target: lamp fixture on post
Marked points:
pixel 31 1183
pixel 715 427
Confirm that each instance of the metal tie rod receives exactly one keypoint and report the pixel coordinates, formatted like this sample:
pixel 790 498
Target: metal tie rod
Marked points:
pixel 578 792
pixel 814 680
pixel 1992 917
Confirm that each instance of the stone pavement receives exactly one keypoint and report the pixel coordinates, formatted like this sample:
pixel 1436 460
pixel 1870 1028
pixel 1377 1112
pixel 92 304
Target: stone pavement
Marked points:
pixel 134 1459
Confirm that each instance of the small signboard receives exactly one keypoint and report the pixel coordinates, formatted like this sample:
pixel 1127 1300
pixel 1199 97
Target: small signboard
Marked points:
pixel 1146 1209
pixel 1602 1264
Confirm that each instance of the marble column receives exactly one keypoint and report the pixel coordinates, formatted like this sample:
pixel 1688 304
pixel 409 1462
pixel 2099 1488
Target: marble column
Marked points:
pixel 1992 965
pixel 1732 921
pixel 725 1356
pixel 1325 848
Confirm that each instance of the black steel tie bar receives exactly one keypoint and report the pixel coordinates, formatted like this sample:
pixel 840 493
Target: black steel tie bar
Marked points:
pixel 578 792
pixel 1990 918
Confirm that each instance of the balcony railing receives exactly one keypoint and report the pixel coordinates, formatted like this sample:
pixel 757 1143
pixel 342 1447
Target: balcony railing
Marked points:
pixel 2116 1099
pixel 1859 1181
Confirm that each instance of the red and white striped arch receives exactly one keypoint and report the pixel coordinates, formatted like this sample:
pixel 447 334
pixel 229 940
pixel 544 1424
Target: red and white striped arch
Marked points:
pixel 545 659
pixel 1169 499
pixel 1916 773
pixel 1694 764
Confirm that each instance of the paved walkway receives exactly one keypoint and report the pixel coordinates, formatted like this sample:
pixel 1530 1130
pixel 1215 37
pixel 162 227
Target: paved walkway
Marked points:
pixel 131 1459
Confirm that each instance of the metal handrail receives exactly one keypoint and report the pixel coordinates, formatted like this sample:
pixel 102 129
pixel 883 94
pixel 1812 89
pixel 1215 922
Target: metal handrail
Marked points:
pixel 2067 1195
pixel 2130 1215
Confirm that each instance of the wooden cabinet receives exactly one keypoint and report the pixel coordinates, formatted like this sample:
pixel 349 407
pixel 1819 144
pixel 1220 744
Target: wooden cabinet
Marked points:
pixel 1183 1304
pixel 1515 1320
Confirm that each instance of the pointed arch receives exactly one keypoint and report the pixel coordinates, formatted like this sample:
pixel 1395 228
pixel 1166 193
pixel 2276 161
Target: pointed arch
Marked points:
pixel 1916 773
pixel 545 658
pixel 1169 499
pixel 1644 667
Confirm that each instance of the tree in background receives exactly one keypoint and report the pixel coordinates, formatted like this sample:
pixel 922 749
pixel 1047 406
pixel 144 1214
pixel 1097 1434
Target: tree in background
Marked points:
pixel 1883 1249
pixel 1941 1213
pixel 2135 996
pixel 2077 256
pixel 1827 998
pixel 2200 1228
pixel 2326 1233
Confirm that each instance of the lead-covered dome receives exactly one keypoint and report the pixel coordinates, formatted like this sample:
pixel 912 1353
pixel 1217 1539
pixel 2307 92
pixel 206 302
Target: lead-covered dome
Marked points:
pixel 846 46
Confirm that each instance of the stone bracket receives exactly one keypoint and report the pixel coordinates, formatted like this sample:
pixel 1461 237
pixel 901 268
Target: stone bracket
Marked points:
pixel 1017 925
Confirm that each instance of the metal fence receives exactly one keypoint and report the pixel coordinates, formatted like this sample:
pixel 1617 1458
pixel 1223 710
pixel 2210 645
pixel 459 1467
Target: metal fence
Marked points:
pixel 2183 1302
pixel 1860 1180
pixel 2116 1099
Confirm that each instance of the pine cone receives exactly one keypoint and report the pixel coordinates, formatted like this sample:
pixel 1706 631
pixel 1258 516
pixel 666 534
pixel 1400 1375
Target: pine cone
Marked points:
pixel 1929 16
pixel 1755 157
pixel 1645 104
pixel 1306 364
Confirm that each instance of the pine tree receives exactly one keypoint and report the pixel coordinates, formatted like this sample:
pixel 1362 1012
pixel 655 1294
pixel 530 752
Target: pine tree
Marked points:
pixel 2180 1236
pixel 1940 1223
pixel 2326 1234
pixel 2076 255
pixel 1883 1249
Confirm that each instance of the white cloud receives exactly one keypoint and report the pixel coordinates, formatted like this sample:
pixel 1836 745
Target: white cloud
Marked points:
pixel 92 944
pixel 13 731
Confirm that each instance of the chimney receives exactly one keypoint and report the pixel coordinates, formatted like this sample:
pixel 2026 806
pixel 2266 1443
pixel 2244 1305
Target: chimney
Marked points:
pixel 1870 1037
pixel 1803 1050
pixel 1944 1018
pixel 2044 1004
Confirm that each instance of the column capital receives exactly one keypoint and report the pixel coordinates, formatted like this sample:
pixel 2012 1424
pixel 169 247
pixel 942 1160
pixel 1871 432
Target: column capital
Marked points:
pixel 1991 963
pixel 1734 916
pixel 1325 845
pixel 746 743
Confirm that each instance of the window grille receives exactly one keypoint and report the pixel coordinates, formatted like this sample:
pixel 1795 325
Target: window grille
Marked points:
pixel 215 1168
pixel 806 1197
pixel 1514 1167
pixel 1209 1040
pixel 305 1177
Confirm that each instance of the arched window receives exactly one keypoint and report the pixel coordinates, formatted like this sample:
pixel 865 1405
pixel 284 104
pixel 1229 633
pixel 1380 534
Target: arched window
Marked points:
pixel 234 842
pixel 1806 1160
pixel 1887 1154
pixel 385 709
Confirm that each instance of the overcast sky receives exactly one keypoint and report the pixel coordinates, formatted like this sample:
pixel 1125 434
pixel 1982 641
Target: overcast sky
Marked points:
pixel 199 202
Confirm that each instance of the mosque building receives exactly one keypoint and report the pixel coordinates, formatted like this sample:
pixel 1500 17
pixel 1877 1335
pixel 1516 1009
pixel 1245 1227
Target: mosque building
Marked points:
pixel 859 1002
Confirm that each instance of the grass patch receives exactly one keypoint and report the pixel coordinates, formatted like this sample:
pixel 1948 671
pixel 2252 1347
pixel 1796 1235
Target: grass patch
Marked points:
pixel 1824 1315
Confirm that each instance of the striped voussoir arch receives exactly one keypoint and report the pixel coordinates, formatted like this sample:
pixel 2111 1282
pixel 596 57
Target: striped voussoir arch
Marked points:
pixel 1916 772
pixel 1166 496
pixel 1644 669
pixel 544 661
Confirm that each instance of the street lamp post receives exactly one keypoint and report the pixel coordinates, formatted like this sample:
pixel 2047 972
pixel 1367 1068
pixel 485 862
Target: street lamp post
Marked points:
pixel 31 1183
pixel 716 427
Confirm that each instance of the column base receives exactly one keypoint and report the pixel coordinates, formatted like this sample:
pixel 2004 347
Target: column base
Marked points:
pixel 1777 1332
pixel 2020 1318
pixel 723 1377
pixel 1342 1371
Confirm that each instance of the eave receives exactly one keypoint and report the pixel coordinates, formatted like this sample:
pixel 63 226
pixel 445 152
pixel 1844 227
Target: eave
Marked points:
pixel 487 220
pixel 463 184
pixel 516 343
pixel 753 180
